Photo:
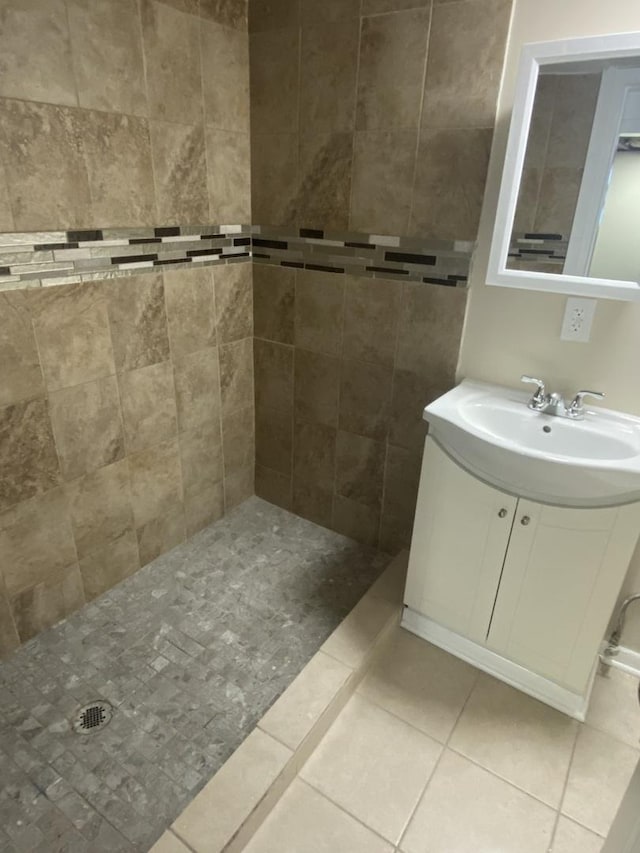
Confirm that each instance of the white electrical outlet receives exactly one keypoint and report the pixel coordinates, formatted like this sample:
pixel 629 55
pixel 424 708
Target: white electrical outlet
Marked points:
pixel 578 317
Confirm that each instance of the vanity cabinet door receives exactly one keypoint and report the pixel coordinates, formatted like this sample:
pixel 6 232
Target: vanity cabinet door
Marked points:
pixel 458 549
pixel 560 581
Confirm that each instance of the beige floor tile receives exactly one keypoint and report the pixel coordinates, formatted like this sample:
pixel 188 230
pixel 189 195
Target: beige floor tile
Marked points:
pixel 600 772
pixel 466 809
pixel 526 742
pixel 305 822
pixel 302 704
pixel 168 843
pixel 211 819
pixel 354 637
pixel 570 837
pixel 420 683
pixel 373 765
pixel 614 706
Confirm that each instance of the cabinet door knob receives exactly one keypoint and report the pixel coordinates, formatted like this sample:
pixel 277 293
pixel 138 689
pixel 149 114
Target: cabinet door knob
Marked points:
pixel 525 520
pixel 502 513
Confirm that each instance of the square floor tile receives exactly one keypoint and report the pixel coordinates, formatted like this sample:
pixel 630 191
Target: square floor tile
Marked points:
pixel 570 837
pixel 526 742
pixel 466 809
pixel 614 706
pixel 420 683
pixel 305 822
pixel 373 765
pixel 600 772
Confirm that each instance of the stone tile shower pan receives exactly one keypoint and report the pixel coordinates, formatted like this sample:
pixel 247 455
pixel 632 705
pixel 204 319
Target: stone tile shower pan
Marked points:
pixel 185 657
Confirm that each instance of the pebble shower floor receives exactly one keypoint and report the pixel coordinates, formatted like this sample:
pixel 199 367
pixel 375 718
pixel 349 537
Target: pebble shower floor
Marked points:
pixel 189 652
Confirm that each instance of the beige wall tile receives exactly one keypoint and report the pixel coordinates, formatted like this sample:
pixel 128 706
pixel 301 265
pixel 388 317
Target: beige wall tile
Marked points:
pixel 329 60
pixel 392 58
pixel 358 521
pixel 307 819
pixel 107 55
pixel 467 808
pixel 274 167
pixel 365 398
pixel 118 157
pixel 273 486
pixel 238 487
pixel 450 178
pixel 203 508
pixel 395 532
pixel 312 502
pixel 557 199
pixel 411 393
pixel 231 13
pixel 87 426
pixel 317 387
pixel 272 14
pixel 109 564
pixel 41 148
pixel 6 216
pixel 420 684
pixel 315 455
pixel 172 54
pixel 373 765
pixel 238 440
pixel 21 376
pixel 180 172
pixel 228 175
pixel 359 468
pixel 197 389
pixel 100 507
pixel 48 602
pixel 273 302
pixel 570 837
pixel 401 481
pixel 201 458
pixel 324 192
pixel 518 738
pixel 273 366
pixel 371 314
pixel 35 541
pixel 377 7
pixel 274 81
pixel 9 639
pixel 236 375
pixel 138 321
pixel 274 439
pixel 600 772
pixel 148 401
pixel 382 180
pixel 44 73
pixel 319 309
pixel 161 534
pixel 28 459
pixel 71 325
pixel 234 302
pixel 466 52
pixel 331 11
pixel 225 70
pixel 156 486
pixel 190 310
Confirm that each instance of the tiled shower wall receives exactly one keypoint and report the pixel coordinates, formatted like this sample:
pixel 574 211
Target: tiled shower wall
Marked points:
pixel 126 404
pixel 370 116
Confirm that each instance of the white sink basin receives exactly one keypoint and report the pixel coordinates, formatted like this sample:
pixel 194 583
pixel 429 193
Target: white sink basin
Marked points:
pixel 490 431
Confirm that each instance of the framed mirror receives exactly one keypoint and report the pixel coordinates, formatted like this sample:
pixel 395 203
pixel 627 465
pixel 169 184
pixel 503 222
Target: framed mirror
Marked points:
pixel 568 217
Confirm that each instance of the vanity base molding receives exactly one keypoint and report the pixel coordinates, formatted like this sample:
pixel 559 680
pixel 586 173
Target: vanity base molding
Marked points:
pixel 573 704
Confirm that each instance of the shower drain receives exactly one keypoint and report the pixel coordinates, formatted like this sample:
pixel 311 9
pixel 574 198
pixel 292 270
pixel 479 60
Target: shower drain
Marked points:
pixel 91 717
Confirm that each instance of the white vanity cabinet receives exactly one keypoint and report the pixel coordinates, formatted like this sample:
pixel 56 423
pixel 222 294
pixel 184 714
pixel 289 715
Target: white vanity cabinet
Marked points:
pixel 521 589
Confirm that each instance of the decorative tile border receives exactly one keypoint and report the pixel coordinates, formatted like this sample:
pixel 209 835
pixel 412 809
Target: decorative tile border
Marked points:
pixel 47 258
pixel 373 255
pixel 539 248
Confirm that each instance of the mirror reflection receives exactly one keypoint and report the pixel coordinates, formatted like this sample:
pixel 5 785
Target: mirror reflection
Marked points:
pixel 579 197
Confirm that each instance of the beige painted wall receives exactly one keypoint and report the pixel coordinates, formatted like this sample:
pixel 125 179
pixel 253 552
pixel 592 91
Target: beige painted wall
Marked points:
pixel 510 332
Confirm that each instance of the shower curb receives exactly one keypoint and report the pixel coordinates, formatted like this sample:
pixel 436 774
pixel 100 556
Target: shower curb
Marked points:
pixel 230 809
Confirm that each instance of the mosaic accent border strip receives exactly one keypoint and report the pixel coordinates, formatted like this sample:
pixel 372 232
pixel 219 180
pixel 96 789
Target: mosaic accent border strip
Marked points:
pixel 373 255
pixel 48 258
pixel 538 247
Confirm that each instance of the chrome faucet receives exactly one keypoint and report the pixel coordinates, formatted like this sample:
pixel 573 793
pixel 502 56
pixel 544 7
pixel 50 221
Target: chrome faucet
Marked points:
pixel 554 403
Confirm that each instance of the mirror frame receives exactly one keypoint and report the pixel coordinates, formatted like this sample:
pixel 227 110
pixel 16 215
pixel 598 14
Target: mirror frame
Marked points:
pixel 533 57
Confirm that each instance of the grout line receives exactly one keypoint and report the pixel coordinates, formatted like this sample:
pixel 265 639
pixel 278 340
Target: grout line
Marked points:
pixel 420 111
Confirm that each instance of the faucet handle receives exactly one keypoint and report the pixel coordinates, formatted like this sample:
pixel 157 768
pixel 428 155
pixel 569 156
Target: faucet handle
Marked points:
pixel 577 406
pixel 539 394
